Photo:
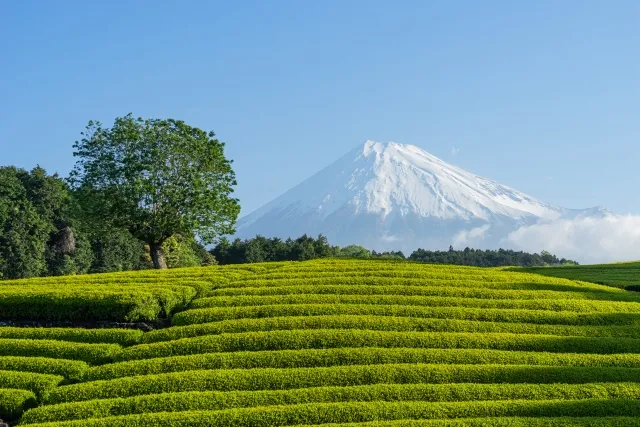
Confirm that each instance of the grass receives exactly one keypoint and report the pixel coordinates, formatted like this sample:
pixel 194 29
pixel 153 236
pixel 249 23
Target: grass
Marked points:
pixel 326 343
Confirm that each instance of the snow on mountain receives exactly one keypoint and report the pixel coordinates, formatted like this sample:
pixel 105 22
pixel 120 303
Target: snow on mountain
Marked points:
pixel 389 196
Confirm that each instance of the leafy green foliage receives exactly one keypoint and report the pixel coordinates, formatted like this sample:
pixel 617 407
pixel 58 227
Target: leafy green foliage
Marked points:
pixel 14 402
pixel 72 369
pixel 621 275
pixel 95 336
pixel 338 342
pixel 198 401
pixel 44 303
pixel 278 417
pixel 261 249
pixel 90 353
pixel 313 358
pixel 488 258
pixel 37 383
pixel 155 178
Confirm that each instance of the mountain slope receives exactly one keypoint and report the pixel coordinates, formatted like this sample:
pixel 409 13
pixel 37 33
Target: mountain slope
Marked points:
pixel 395 196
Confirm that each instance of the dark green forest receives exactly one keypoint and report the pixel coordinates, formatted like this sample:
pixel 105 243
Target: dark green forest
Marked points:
pixel 262 249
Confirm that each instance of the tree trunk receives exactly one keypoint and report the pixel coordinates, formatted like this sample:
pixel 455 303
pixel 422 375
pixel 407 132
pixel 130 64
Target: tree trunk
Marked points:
pixel 157 256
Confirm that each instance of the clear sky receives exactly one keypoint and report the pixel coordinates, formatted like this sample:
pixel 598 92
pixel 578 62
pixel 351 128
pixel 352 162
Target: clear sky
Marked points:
pixel 543 96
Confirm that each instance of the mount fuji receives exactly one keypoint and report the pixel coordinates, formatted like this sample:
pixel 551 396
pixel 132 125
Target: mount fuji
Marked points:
pixel 389 196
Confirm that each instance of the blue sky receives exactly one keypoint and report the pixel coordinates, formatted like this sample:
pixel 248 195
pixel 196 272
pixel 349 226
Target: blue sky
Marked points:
pixel 543 96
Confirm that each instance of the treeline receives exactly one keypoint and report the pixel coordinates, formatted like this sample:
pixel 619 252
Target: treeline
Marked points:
pixel 42 233
pixel 262 249
pixel 489 258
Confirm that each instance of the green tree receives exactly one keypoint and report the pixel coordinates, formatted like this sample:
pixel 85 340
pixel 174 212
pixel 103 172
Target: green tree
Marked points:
pixel 155 178
pixel 354 251
pixel 23 231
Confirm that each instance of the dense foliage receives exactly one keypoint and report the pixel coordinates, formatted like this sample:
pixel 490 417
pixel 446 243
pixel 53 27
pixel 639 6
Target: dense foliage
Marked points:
pixel 262 249
pixel 488 258
pixel 625 275
pixel 155 179
pixel 330 341
pixel 43 234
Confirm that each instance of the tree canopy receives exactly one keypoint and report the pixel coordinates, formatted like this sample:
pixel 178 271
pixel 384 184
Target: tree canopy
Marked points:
pixel 156 179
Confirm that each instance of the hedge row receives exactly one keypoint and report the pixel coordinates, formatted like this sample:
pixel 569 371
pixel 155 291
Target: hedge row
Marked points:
pixel 90 353
pixel 469 292
pixel 497 422
pixel 36 383
pixel 332 338
pixel 351 356
pixel 33 303
pixel 96 336
pixel 284 379
pixel 71 369
pixel 271 416
pixel 200 401
pixel 207 315
pixel 381 323
pixel 581 306
pixel 512 282
pixel 14 402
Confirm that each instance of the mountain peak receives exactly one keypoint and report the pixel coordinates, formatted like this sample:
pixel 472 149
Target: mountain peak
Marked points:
pixel 387 192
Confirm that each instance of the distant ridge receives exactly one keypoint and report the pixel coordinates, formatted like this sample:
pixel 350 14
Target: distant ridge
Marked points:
pixel 390 196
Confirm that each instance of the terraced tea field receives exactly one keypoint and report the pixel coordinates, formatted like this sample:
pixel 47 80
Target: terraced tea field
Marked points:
pixel 624 275
pixel 322 343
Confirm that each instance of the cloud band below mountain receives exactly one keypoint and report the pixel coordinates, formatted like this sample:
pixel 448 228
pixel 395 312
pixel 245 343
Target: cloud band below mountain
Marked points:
pixel 587 240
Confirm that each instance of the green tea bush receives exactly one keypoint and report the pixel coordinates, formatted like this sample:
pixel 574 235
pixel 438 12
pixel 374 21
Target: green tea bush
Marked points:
pixel 97 336
pixel 37 383
pixel 207 315
pixel 270 416
pixel 71 369
pixel 467 292
pixel 285 379
pixel 351 356
pixel 198 401
pixel 430 301
pixel 476 281
pixel 35 303
pixel 332 338
pixel 90 353
pixel 14 402
pixel 381 323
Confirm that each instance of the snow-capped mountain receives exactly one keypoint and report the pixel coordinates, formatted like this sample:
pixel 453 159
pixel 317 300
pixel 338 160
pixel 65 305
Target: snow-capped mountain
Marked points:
pixel 389 196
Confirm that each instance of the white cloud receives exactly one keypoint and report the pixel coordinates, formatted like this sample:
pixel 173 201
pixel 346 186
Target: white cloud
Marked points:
pixel 471 238
pixel 587 240
pixel 454 151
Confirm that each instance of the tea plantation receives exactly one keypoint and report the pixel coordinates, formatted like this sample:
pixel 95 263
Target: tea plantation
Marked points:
pixel 322 343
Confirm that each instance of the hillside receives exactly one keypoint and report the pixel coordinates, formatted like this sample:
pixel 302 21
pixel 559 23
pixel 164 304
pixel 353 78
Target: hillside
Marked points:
pixel 322 343
pixel 623 275
pixel 390 196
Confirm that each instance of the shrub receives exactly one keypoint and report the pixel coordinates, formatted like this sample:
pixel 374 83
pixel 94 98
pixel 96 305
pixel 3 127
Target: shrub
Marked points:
pixel 270 416
pixel 191 401
pixel 72 369
pixel 37 383
pixel 351 356
pixel 381 323
pixel 14 402
pixel 91 353
pixel 108 336
pixel 435 290
pixel 35 303
pixel 332 338
pixel 284 379
pixel 583 306
pixel 207 315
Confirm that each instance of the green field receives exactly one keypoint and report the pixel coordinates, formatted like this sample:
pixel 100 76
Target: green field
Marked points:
pixel 324 343
pixel 624 275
